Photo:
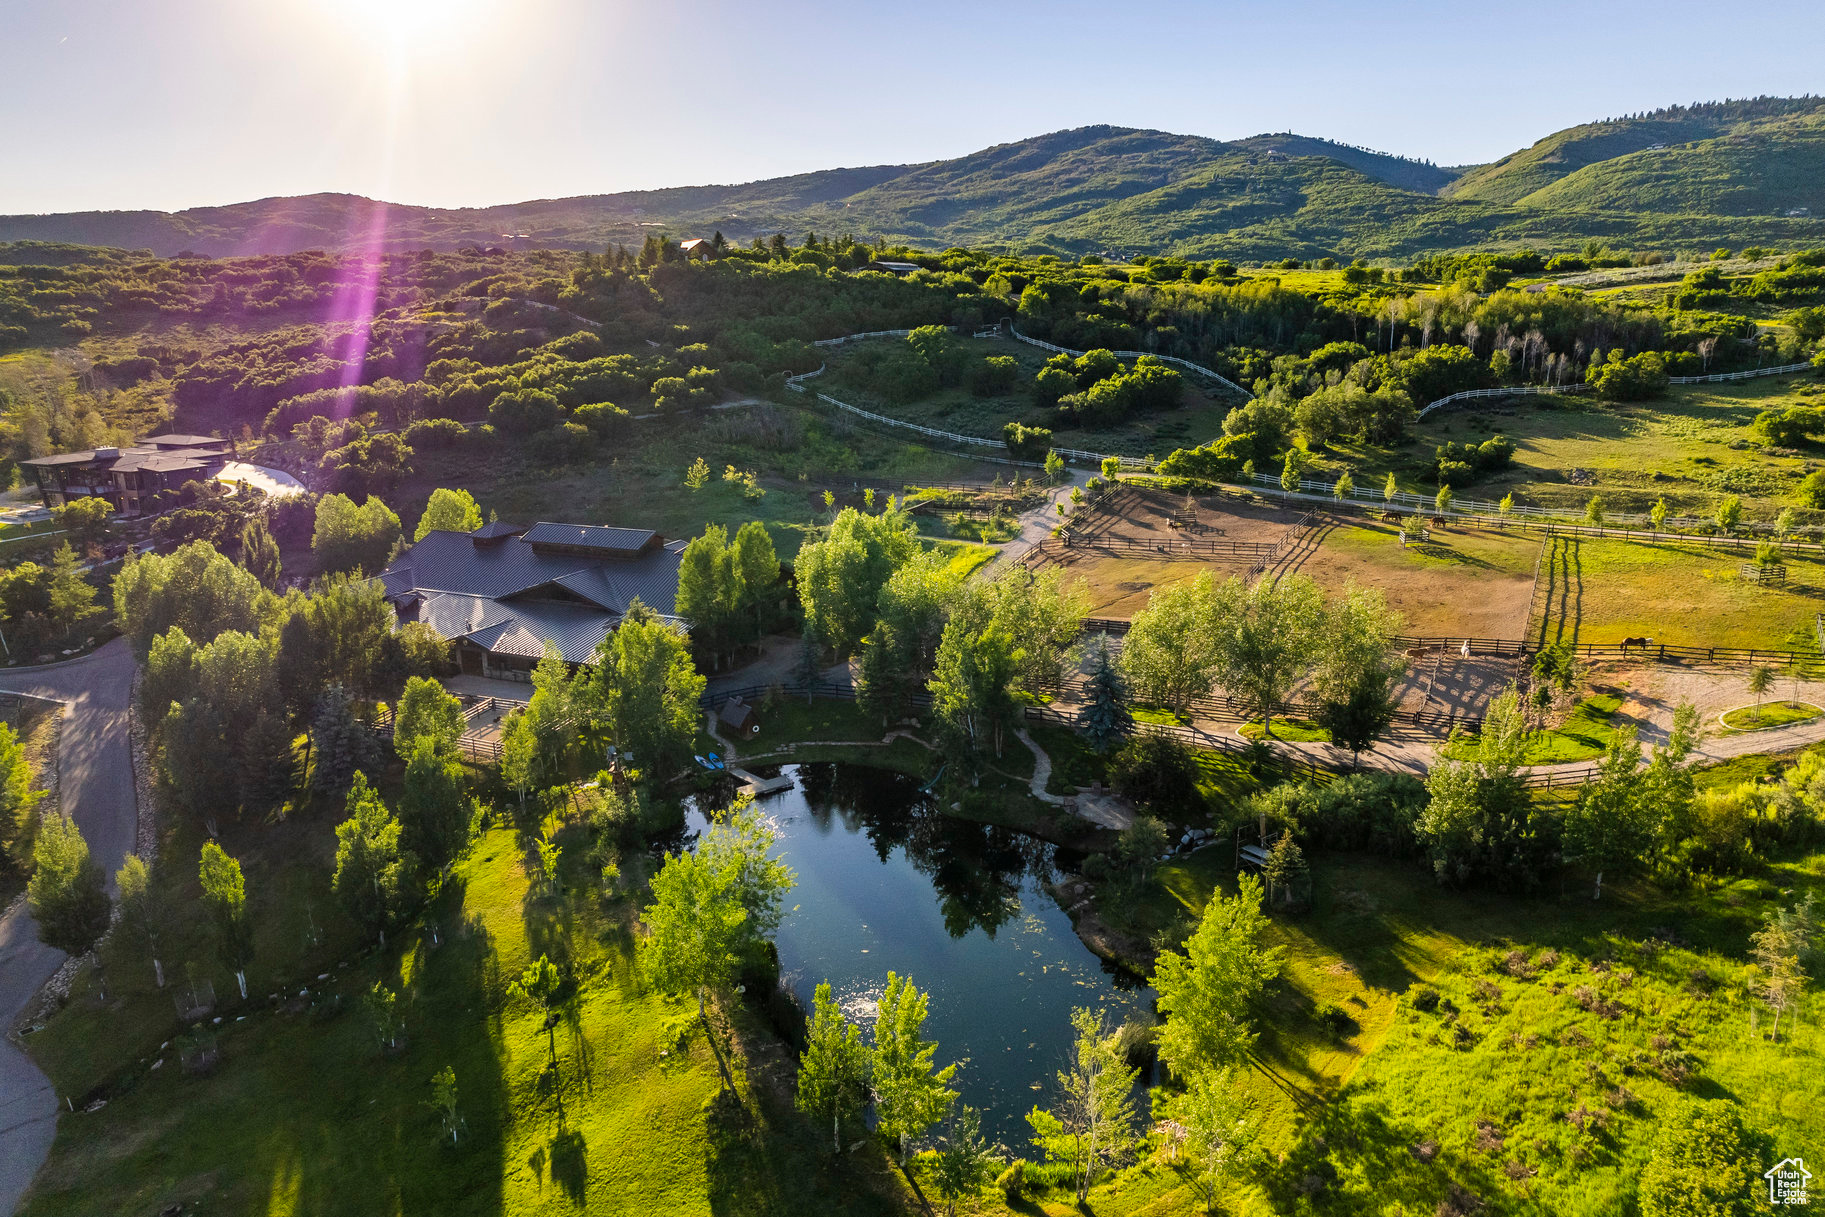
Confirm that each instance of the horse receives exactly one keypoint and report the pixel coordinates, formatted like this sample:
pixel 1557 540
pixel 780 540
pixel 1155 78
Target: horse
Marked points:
pixel 1636 642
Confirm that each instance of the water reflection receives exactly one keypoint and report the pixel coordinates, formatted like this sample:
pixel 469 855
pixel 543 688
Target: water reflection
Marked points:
pixel 889 882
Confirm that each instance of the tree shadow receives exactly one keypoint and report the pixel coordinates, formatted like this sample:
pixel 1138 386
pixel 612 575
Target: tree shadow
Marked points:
pixel 568 1157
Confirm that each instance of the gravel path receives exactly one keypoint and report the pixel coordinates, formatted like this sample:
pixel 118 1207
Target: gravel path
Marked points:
pixel 95 769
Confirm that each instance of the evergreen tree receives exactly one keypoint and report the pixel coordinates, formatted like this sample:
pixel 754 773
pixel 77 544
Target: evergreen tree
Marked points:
pixel 18 801
pixel 807 669
pixel 1105 720
pixel 341 744
pixel 72 596
pixel 964 1161
pixel 260 553
pixel 1285 867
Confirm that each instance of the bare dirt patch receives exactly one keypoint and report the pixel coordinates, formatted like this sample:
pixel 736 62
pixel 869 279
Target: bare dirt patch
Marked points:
pixel 1462 583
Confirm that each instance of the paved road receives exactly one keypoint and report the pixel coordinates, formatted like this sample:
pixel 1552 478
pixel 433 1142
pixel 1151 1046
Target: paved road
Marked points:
pixel 95 766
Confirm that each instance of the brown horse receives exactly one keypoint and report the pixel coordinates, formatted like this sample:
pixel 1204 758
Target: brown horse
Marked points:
pixel 1636 642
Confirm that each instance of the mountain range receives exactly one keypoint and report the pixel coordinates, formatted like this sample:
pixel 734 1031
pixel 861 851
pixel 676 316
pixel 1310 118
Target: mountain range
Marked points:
pixel 1721 173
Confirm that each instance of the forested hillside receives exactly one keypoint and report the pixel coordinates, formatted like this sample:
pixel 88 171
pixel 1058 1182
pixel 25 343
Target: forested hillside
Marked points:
pixel 1720 174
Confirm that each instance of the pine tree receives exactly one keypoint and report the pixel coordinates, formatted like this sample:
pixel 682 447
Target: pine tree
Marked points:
pixel 1285 865
pixel 807 670
pixel 342 745
pixel 1105 720
pixel 260 553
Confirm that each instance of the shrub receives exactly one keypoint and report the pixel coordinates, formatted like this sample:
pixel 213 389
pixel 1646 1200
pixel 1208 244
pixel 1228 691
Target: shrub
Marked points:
pixel 994 376
pixel 434 433
pixel 1425 998
pixel 1158 773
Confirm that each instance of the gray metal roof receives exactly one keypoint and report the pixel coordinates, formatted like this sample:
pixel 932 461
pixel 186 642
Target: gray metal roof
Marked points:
pixel 181 441
pixel 491 594
pixel 592 536
pixel 495 530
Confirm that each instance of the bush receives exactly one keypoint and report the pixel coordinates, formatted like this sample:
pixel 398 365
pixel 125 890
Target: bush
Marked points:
pixel 1812 489
pixel 1634 379
pixel 994 376
pixel 1158 773
pixel 434 433
pixel 1027 443
pixel 1012 1181
pixel 1425 998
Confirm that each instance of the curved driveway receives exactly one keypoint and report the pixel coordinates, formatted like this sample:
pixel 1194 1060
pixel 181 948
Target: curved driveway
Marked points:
pixel 95 769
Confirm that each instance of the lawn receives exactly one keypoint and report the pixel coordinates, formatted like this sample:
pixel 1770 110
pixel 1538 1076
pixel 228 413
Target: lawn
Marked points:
pixel 1342 1029
pixel 1686 595
pixel 1585 733
pixel 1692 446
pixel 1768 715
pixel 1197 420
pixel 1293 730
pixel 305 1115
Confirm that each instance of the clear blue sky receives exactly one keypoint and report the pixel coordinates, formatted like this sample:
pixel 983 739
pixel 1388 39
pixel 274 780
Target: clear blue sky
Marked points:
pixel 176 103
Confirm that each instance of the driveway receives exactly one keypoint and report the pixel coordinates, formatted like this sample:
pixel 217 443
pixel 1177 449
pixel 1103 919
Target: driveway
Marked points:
pixel 1036 524
pixel 95 767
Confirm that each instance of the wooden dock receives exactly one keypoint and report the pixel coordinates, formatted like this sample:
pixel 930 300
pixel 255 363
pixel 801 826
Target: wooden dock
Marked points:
pixel 758 786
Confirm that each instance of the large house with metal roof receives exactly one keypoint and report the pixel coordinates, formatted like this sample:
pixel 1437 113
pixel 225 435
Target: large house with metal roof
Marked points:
pixel 500 593
pixel 129 478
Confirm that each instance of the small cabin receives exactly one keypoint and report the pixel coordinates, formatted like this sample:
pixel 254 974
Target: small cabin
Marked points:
pixel 697 248
pixel 738 716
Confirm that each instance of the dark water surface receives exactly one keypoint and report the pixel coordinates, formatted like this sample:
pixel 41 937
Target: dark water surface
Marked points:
pixel 887 882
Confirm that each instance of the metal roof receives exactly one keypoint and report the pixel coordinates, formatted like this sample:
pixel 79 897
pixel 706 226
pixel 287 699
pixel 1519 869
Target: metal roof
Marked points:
pixel 181 441
pixel 490 594
pixel 589 536
pixel 495 530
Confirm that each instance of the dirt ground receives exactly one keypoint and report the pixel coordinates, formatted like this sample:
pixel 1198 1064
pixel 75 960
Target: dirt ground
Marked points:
pixel 1444 682
pixel 1114 550
pixel 1463 583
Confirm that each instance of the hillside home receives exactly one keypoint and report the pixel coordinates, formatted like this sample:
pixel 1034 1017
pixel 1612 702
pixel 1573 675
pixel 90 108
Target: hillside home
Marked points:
pixel 500 593
pixel 129 478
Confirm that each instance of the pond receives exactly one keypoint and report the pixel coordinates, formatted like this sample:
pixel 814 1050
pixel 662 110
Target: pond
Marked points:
pixel 886 882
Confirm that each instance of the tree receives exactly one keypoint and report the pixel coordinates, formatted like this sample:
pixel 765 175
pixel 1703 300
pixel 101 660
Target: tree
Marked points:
pixel 911 1094
pixel 1345 487
pixel 1441 502
pixel 1506 507
pixel 519 755
pixel 806 665
pixel 1481 821
pixel 435 811
pixel 756 566
pixel 1729 514
pixel 382 1005
pixel 1389 489
pixel 1104 719
pixel 1171 653
pixel 66 892
pixel 193 588
pixel 1780 949
pixel 260 553
pixel 1657 515
pixel 708 596
pixel 841 575
pixel 542 985
pixel 85 520
pixel 1285 866
pixel 17 798
pixel 648 692
pixel 696 930
pixel 1289 473
pixel 1220 1130
pixel 1705 1162
pixel 1269 637
pixel 1593 511
pixel 443 1101
pixel 1761 679
pixel 342 745
pixel 350 537
pixel 833 1070
pixel 1610 828
pixel 1094 1124
pixel 72 596
pixel 225 895
pixel 140 913
pixel 448 511
pixel 965 1163
pixel 698 475
pixel 373 874
pixel 973 677
pixel 427 712
pixel 1207 992
pixel 739 844
pixel 1356 675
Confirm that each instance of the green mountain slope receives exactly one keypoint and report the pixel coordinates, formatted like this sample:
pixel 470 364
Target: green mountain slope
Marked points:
pixel 1766 169
pixel 1730 174
pixel 1520 174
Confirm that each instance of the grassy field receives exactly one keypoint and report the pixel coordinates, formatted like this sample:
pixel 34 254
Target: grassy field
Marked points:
pixel 1692 446
pixel 1382 1102
pixel 305 1115
pixel 1686 595
pixel 1462 583
pixel 1198 420
pixel 1586 732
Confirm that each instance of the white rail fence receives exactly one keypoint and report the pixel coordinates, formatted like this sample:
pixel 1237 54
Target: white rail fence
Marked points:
pixel 1525 390
pixel 1199 368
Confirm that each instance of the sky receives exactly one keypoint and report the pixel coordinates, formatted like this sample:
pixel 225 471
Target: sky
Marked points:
pixel 166 104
